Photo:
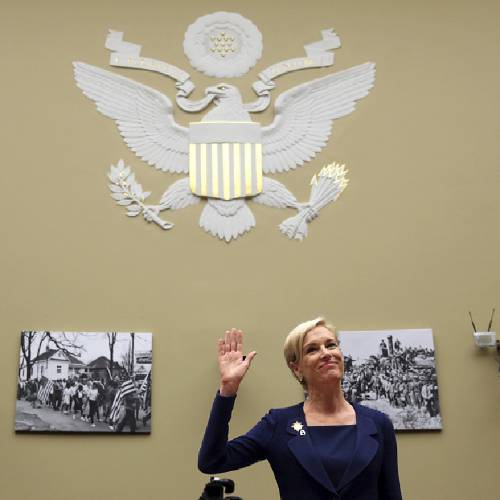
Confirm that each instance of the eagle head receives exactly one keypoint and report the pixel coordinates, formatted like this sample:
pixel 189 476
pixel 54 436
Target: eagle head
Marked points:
pixel 223 91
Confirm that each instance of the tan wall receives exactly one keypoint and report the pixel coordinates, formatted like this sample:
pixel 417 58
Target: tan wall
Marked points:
pixel 413 242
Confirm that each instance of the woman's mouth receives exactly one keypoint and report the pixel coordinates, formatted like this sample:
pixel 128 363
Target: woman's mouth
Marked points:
pixel 328 364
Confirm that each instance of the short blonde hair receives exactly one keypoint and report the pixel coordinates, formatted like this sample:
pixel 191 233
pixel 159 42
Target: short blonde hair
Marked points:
pixel 294 341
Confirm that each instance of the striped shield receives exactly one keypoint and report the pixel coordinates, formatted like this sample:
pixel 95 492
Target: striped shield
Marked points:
pixel 225 159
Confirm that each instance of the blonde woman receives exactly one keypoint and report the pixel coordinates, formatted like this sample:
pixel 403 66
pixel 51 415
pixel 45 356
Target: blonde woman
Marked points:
pixel 322 449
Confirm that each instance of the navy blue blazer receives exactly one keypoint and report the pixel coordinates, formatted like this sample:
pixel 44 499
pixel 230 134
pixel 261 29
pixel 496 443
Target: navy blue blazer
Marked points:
pixel 371 475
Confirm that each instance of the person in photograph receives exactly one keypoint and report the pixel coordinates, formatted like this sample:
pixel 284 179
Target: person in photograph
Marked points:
pixel 147 409
pixel 397 346
pixel 57 395
pixel 138 400
pixel 78 402
pixel 383 349
pixel 32 392
pixel 428 397
pixel 384 392
pixel 73 389
pixel 322 448
pixel 435 398
pixel 146 406
pixel 354 391
pixel 105 401
pixel 93 394
pixel 130 402
pixel 391 393
pixel 66 398
pixel 412 392
pixel 100 399
pixel 112 389
pixel 87 388
pixel 22 389
pixel 405 395
pixel 418 392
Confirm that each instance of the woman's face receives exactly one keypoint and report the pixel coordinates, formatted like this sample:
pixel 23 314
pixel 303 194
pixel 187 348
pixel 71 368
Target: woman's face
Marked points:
pixel 322 361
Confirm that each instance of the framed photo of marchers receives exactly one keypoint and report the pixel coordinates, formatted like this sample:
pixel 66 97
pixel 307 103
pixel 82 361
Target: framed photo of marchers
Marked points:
pixel 393 371
pixel 84 382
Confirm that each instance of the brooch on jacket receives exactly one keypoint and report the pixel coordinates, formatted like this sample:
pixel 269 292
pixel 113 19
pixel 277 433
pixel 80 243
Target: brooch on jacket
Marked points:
pixel 297 426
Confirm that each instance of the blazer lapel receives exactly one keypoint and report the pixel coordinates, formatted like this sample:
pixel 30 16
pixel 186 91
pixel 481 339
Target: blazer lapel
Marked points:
pixel 302 448
pixel 365 449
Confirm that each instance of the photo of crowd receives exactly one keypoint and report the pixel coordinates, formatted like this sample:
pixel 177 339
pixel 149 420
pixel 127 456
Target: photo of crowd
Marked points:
pixel 394 372
pixel 84 382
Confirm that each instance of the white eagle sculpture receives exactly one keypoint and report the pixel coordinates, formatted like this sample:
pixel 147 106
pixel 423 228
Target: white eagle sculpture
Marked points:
pixel 226 154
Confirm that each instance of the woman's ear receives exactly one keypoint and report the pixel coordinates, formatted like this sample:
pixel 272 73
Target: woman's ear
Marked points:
pixel 296 370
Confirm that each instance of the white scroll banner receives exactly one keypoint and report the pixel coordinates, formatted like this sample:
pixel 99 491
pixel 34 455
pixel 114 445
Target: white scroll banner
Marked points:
pixel 127 55
pixel 317 56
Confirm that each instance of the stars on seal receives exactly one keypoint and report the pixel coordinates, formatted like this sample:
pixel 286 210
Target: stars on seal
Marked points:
pixel 222 43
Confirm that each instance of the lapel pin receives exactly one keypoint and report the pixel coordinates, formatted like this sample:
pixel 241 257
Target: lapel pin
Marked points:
pixel 297 426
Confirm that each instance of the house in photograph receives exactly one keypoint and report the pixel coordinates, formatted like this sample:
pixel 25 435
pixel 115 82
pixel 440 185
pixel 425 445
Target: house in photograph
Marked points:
pixel 77 368
pixel 54 364
pixel 99 369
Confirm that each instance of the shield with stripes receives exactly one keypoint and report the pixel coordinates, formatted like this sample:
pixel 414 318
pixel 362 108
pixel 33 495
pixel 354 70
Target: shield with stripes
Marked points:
pixel 225 159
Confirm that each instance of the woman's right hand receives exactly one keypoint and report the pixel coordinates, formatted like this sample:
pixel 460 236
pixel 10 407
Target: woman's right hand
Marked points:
pixel 232 364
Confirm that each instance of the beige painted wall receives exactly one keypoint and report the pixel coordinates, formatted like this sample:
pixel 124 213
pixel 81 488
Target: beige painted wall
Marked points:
pixel 413 242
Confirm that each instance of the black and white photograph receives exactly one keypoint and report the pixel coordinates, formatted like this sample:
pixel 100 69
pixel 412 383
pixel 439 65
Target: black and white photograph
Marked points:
pixel 393 371
pixel 84 382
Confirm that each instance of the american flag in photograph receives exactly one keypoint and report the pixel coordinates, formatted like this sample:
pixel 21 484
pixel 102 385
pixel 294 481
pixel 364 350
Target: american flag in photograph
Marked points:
pixel 44 391
pixel 126 388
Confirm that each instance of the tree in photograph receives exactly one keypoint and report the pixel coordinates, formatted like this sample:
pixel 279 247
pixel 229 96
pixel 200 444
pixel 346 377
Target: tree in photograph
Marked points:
pixel 28 340
pixel 68 342
pixel 111 337
pixel 128 358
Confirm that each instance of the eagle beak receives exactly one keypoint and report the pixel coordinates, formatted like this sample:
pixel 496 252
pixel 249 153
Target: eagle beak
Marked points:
pixel 214 91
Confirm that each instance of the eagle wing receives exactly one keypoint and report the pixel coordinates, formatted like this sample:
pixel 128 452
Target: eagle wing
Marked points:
pixel 304 115
pixel 143 115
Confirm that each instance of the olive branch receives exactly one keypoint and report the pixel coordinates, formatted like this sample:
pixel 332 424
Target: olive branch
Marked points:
pixel 126 191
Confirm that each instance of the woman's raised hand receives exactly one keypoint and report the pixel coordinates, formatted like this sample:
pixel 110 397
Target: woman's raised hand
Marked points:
pixel 232 365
